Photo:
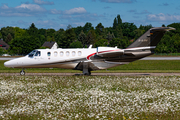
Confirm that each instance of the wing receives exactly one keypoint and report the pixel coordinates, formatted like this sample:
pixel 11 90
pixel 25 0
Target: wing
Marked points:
pixel 110 53
pixel 106 52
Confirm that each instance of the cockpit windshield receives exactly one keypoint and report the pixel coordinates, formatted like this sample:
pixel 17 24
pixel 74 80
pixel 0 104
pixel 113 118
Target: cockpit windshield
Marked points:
pixel 34 53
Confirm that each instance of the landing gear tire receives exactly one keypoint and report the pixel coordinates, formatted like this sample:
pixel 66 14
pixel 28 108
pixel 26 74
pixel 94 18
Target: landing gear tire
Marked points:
pixel 88 73
pixel 22 72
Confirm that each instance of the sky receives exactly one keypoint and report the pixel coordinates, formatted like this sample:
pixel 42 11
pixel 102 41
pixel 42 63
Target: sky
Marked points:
pixel 58 14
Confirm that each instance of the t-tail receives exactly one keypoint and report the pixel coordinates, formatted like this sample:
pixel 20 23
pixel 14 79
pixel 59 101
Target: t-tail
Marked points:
pixel 145 45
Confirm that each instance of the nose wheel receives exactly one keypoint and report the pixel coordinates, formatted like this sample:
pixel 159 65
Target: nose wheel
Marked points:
pixel 22 72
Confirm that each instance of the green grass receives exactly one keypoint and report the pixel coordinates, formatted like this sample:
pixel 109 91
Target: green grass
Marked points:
pixel 137 66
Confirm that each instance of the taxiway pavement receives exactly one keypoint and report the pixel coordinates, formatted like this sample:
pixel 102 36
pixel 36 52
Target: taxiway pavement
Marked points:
pixel 93 74
pixel 146 58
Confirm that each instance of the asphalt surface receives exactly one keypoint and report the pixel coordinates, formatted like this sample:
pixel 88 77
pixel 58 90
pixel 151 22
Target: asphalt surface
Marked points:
pixel 93 74
pixel 146 58
pixel 161 58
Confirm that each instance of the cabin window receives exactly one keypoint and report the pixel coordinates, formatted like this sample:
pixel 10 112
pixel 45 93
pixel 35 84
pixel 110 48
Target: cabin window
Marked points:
pixel 38 53
pixel 55 53
pixel 49 54
pixel 67 53
pixel 61 53
pixel 73 53
pixel 79 53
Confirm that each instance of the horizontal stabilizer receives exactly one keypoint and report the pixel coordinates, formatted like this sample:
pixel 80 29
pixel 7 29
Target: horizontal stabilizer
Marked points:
pixel 162 29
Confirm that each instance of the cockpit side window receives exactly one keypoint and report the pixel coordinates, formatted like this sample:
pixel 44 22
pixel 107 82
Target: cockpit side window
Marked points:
pixel 31 54
pixel 38 53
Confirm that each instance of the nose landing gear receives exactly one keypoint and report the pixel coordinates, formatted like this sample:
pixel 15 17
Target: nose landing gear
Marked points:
pixel 22 72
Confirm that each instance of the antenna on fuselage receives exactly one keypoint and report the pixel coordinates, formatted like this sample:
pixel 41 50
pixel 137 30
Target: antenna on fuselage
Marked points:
pixel 90 46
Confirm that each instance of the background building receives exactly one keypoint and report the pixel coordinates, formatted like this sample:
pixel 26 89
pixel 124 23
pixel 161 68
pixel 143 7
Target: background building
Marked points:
pixel 51 45
pixel 4 45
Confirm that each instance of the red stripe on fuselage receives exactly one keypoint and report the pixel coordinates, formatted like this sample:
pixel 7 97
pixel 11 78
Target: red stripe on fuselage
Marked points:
pixel 88 57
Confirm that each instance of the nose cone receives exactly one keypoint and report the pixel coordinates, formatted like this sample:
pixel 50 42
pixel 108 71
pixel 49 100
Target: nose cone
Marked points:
pixel 11 63
pixel 15 63
pixel 8 64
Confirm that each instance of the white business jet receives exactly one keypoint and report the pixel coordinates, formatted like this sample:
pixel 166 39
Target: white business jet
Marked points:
pixel 89 59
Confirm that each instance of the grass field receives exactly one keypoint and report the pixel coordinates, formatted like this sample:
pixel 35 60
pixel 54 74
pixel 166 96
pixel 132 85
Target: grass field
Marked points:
pixel 137 66
pixel 89 97
pixel 93 97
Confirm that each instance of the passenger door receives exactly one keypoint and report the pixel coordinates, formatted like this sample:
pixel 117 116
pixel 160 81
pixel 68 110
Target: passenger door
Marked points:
pixel 38 56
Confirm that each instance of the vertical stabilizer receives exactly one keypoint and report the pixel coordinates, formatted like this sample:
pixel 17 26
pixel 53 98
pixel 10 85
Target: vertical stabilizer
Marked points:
pixel 151 38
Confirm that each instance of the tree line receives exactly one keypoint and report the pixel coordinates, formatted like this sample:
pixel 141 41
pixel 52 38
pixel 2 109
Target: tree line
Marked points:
pixel 121 34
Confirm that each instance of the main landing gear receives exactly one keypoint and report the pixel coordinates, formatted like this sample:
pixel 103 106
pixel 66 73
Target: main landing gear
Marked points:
pixel 22 72
pixel 86 70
